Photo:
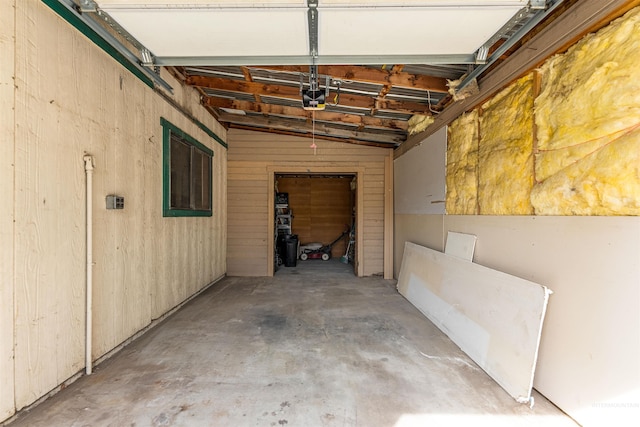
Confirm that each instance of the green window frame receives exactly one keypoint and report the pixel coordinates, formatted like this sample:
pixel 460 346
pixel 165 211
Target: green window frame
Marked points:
pixel 187 174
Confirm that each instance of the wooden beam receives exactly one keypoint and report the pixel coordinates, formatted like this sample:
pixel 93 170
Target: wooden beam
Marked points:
pixel 309 135
pixel 299 112
pixel 247 76
pixel 396 69
pixel 583 17
pixel 370 75
pixel 304 126
pixel 293 92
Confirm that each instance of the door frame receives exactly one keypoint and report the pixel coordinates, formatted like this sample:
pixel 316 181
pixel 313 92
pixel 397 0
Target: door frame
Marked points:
pixel 272 171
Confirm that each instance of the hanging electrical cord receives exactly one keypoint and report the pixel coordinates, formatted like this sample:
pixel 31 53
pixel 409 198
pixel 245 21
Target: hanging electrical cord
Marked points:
pixel 313 131
pixel 429 102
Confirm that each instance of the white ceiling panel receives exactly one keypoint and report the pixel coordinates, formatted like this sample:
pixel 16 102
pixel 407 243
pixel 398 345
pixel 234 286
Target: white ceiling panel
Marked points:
pixel 408 31
pixel 217 32
pixel 185 4
pixel 136 4
pixel 280 28
pixel 420 3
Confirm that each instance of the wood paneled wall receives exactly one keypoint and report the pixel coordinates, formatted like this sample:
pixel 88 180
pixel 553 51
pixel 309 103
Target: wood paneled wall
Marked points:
pixel 66 98
pixel 253 158
pixel 7 202
pixel 322 208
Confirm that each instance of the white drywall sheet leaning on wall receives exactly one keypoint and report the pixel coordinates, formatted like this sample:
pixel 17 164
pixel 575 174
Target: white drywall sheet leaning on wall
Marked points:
pixel 492 316
pixel 460 245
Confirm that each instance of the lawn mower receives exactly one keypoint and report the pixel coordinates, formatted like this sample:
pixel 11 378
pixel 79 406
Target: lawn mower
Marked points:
pixel 318 251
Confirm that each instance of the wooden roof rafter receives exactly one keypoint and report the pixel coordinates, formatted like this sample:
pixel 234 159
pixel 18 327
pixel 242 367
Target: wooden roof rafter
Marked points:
pixel 293 92
pixel 393 77
pixel 320 130
pixel 304 134
pixel 269 109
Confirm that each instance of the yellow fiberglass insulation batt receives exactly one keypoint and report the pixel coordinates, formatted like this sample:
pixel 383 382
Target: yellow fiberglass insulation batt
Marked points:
pixel 593 186
pixel 505 155
pixel 418 123
pixel 587 117
pixel 462 165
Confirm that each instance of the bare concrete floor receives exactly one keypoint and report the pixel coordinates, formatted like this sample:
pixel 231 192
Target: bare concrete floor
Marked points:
pixel 299 349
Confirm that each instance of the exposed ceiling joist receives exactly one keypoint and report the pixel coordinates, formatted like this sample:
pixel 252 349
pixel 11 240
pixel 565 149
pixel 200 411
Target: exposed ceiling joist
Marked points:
pixel 292 92
pixel 259 70
pixel 309 135
pixel 387 87
pixel 318 129
pixel 360 120
pixel 371 75
pixel 247 76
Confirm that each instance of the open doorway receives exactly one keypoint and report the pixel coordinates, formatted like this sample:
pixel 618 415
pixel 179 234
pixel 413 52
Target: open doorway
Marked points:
pixel 320 210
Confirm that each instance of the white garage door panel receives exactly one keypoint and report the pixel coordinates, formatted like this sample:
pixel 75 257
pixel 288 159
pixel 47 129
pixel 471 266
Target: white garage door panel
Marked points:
pixel 408 31
pixel 209 32
pixel 290 3
pixel 280 28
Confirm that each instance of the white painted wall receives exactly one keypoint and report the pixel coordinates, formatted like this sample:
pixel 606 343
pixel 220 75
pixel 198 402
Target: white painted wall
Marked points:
pixel 420 177
pixel 590 350
pixel 71 98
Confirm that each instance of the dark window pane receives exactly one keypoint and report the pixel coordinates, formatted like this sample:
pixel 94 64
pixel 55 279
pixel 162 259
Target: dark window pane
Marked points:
pixel 201 174
pixel 180 174
pixel 187 174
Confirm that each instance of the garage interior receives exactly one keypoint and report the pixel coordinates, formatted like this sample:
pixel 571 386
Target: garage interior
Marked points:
pixel 321 209
pixel 147 146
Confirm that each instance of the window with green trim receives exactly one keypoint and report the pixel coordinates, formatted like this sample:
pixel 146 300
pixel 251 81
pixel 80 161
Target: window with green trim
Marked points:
pixel 187 174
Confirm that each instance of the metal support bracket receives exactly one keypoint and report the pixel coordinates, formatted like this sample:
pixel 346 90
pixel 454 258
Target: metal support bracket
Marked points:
pixel 87 6
pixel 538 4
pixel 312 18
pixel 88 12
pixel 313 77
pixel 147 58
pixel 482 54
pixel 537 17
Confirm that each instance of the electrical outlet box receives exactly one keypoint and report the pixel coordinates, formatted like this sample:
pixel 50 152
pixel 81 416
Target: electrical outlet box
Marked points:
pixel 115 202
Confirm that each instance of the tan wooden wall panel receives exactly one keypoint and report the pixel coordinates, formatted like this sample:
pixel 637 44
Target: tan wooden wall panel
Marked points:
pixel 247 187
pixel 252 153
pixel 249 229
pixel 242 217
pixel 322 208
pixel 299 190
pixel 71 99
pixel 7 147
pixel 247 174
pixel 274 153
pixel 254 268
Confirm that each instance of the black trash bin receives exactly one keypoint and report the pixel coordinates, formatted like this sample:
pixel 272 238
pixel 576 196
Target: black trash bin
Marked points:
pixel 291 252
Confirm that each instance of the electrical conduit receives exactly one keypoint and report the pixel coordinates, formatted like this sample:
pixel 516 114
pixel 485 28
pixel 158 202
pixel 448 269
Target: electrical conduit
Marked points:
pixel 88 168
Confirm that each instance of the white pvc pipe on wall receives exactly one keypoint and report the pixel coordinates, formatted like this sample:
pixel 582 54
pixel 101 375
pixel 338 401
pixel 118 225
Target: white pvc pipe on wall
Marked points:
pixel 88 168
